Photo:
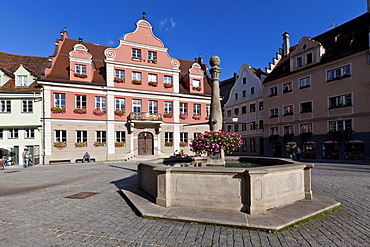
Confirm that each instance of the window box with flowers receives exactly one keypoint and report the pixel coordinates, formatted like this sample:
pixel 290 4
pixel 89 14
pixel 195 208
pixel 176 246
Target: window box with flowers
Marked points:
pixel 80 75
pixel 99 112
pixel 183 116
pixel 119 80
pixel 120 144
pixel 56 109
pixel 213 142
pixel 183 144
pixel 168 144
pixel 136 82
pixel 152 60
pixel 80 110
pixel 60 145
pixel 136 59
pixel 168 115
pixel 99 144
pixel 197 88
pixel 119 112
pixel 197 117
pixel 80 144
pixel 168 85
pixel 153 83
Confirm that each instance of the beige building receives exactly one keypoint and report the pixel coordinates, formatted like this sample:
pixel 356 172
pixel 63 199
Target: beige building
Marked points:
pixel 316 97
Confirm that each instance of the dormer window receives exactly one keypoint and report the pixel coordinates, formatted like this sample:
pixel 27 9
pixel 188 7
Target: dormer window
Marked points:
pixel 22 81
pixel 136 54
pixel 196 85
pixel 309 58
pixel 152 57
pixel 299 62
pixel 80 69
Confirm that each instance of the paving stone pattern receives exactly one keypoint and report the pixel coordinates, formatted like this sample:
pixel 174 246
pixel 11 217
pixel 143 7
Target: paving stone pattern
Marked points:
pixel 35 212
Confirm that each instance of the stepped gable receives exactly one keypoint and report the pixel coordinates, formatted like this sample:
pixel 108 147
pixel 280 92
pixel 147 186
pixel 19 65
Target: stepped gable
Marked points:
pixel 341 41
pixel 60 69
pixel 9 63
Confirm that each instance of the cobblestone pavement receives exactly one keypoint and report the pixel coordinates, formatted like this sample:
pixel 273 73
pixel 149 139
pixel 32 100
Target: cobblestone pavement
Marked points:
pixel 35 212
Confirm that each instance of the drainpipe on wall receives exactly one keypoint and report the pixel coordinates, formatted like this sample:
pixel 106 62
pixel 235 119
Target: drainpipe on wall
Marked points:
pixel 43 126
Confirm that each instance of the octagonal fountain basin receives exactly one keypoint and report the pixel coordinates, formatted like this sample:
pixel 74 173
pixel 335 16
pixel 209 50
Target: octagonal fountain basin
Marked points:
pixel 252 190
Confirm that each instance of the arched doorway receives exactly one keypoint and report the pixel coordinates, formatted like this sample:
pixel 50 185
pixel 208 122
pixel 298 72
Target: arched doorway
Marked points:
pixel 145 143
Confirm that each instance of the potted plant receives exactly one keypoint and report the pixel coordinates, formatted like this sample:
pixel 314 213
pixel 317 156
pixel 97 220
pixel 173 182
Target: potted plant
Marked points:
pixel 119 112
pixel 60 145
pixel 197 117
pixel 136 82
pixel 212 142
pixel 99 144
pixel 197 88
pixel 80 144
pixel 80 110
pixel 168 115
pixel 120 144
pixel 80 75
pixel 168 144
pixel 119 80
pixel 56 109
pixel 168 85
pixel 183 116
pixel 153 83
pixel 99 112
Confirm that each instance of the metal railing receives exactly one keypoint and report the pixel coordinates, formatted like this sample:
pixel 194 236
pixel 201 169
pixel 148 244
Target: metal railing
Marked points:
pixel 145 116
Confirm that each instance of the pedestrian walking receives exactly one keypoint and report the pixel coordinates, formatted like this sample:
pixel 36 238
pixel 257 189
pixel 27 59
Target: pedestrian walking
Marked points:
pixel 298 154
pixel 25 156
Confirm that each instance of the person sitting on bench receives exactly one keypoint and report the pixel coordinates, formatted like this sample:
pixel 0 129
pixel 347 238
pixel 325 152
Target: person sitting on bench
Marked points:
pixel 86 157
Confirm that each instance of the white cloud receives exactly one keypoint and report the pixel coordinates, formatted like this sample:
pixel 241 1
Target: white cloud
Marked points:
pixel 173 24
pixel 165 25
pixel 110 42
pixel 162 23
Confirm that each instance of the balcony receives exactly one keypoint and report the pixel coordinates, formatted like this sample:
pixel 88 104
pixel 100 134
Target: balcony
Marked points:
pixel 144 116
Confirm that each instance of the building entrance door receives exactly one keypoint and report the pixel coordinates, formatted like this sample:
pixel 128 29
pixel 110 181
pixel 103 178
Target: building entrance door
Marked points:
pixel 145 143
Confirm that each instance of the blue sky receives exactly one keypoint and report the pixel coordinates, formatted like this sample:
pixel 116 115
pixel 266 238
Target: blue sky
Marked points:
pixel 238 31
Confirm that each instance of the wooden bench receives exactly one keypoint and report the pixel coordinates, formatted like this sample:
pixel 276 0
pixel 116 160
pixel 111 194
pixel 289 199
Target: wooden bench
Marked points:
pixel 80 160
pixel 59 161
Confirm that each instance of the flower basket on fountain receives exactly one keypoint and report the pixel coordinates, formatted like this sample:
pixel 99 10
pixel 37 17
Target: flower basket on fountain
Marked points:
pixel 213 142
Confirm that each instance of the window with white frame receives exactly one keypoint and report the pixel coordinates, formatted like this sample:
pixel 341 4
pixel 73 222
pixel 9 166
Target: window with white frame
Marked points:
pixel 153 106
pixel 22 81
pixel 274 112
pixel 260 106
pixel 60 135
pixel 152 56
pixel 236 96
pixel 340 125
pixel 184 137
pixel 260 124
pixel 100 103
pixel 136 76
pixel 120 73
pixel 253 125
pixel 152 78
pixel 228 113
pixel 305 107
pixel 340 101
pixel 29 133
pixel 252 107
pixel 236 127
pixel 80 101
pixel 305 82
pixel 338 73
pixel 305 128
pixel 196 134
pixel 120 104
pixel 13 133
pixel 168 137
pixel 136 53
pixel 274 130
pixel 136 105
pixel 236 112
pixel 196 85
pixel 183 108
pixel 289 129
pixel 273 91
pixel 27 106
pixel 120 136
pixel 244 127
pixel 244 109
pixel 244 93
pixel 168 107
pixel 1 133
pixel 81 136
pixel 299 62
pixel 5 106
pixel 252 90
pixel 101 136
pixel 309 58
pixel 196 109
pixel 80 69
pixel 287 87
pixel 252 142
pixel 288 110
pixel 60 100
pixel 167 79
pixel 208 110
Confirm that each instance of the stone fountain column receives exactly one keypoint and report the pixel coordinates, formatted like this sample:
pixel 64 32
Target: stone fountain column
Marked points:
pixel 215 123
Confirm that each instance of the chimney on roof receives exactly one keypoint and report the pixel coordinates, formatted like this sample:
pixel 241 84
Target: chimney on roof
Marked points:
pixel 286 43
pixel 80 40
